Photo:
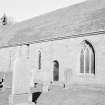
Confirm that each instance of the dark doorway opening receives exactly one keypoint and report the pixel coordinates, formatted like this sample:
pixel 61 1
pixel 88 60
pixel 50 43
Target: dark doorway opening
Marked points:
pixel 55 70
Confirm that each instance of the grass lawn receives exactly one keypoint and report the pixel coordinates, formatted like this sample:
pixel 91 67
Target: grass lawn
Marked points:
pixel 72 96
pixel 4 96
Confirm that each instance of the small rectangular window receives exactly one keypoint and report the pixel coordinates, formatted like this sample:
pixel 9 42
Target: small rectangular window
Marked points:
pixel 39 60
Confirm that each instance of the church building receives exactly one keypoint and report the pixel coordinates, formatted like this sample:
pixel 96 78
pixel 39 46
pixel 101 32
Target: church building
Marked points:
pixel 65 47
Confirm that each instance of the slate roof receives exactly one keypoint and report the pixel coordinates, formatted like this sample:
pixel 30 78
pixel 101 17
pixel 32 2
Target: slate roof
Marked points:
pixel 82 18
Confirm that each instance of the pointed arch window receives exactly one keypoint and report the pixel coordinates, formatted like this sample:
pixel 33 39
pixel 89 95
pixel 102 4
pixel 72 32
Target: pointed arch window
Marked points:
pixel 87 58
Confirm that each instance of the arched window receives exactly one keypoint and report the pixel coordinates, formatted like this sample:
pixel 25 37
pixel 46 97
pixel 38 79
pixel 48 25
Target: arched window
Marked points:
pixel 55 70
pixel 39 60
pixel 87 58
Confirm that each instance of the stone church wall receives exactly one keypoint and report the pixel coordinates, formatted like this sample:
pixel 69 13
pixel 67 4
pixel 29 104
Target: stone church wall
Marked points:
pixel 67 52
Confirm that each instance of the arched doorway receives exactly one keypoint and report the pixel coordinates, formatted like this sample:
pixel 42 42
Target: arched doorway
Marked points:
pixel 55 70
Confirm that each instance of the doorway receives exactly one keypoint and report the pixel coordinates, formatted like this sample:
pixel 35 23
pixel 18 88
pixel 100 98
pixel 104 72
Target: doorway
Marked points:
pixel 55 70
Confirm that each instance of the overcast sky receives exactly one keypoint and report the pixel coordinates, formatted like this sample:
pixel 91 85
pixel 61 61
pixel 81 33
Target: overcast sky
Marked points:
pixel 25 9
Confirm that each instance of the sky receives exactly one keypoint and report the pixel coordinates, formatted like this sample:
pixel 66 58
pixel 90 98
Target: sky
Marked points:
pixel 21 10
